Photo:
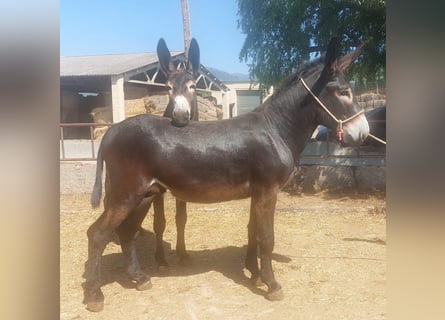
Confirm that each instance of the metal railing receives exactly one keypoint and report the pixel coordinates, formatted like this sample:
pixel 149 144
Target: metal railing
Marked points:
pixel 79 146
pixel 330 152
pixel 327 152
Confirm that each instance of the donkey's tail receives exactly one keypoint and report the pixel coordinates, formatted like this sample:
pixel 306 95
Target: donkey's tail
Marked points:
pixel 97 189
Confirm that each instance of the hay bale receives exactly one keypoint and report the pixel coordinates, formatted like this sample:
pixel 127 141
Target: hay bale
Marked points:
pixel 208 110
pixel 101 115
pixel 156 104
pixel 98 132
pixel 134 107
pixel 370 100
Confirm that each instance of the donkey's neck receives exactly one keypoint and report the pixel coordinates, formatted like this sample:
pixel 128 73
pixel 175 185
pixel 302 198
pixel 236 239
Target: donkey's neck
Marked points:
pixel 294 121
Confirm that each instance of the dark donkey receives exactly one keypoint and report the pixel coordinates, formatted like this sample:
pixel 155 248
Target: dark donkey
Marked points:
pixel 252 155
pixel 182 107
pixel 183 104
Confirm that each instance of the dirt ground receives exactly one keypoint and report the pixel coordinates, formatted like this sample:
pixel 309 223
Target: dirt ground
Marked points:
pixel 329 256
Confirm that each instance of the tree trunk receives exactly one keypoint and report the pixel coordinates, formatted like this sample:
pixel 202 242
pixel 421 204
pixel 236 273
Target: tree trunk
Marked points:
pixel 186 25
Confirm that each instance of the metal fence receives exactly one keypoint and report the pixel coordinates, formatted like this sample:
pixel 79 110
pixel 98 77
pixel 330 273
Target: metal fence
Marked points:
pixel 79 149
pixel 329 152
pixel 332 153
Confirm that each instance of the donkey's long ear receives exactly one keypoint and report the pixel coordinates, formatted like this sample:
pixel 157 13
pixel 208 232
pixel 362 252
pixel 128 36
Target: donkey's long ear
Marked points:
pixel 347 60
pixel 193 57
pixel 165 59
pixel 331 53
pixel 330 59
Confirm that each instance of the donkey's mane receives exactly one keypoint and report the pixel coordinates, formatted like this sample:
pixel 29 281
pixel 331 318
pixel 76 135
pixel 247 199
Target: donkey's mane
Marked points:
pixel 290 79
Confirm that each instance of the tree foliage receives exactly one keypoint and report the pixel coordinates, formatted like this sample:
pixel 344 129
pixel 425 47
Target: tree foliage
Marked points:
pixel 280 34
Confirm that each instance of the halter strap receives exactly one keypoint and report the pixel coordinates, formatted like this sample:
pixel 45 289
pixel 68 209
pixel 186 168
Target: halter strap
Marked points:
pixel 339 122
pixel 376 138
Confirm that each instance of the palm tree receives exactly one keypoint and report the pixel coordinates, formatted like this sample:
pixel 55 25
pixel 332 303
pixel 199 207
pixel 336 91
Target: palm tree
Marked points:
pixel 186 25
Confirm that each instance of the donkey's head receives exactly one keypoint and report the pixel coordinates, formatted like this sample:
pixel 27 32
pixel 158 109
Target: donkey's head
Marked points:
pixel 182 106
pixel 339 110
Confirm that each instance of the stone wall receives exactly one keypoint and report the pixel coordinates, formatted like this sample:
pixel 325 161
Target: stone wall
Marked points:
pixel 313 179
pixel 371 100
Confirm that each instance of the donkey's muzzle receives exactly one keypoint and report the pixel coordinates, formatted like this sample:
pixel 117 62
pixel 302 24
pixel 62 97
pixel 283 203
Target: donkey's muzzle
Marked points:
pixel 356 131
pixel 181 112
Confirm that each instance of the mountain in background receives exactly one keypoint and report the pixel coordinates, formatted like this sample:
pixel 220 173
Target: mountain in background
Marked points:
pixel 229 77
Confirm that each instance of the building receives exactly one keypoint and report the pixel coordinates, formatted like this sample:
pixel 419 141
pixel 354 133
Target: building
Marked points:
pixel 244 94
pixel 121 84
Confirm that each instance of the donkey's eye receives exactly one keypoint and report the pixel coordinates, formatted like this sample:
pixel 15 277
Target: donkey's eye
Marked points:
pixel 168 87
pixel 347 93
pixel 192 87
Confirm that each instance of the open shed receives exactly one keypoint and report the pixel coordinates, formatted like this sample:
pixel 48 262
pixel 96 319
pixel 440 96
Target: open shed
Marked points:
pixel 118 83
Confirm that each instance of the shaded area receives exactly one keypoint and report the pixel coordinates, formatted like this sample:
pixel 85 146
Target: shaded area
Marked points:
pixel 376 240
pixel 229 261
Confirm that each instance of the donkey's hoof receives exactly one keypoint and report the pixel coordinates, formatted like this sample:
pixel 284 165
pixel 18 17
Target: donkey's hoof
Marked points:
pixel 95 306
pixel 144 285
pixel 275 295
pixel 93 298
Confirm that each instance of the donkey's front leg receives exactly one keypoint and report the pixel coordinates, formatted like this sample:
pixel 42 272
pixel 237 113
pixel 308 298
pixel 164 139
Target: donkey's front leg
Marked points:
pixel 159 228
pixel 263 206
pixel 181 220
pixel 251 262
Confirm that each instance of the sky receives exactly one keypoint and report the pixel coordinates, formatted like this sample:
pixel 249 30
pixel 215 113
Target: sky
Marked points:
pixel 105 27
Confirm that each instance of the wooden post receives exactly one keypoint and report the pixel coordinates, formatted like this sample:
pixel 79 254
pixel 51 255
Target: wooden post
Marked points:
pixel 118 98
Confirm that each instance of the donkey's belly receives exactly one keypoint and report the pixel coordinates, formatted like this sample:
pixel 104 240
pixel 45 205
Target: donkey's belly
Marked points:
pixel 210 194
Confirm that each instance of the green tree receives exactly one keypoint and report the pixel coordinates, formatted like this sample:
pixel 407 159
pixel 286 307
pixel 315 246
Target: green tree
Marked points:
pixel 281 34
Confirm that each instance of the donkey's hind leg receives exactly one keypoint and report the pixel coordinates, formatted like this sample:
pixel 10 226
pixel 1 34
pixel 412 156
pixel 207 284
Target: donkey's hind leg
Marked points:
pixel 99 234
pixel 128 232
